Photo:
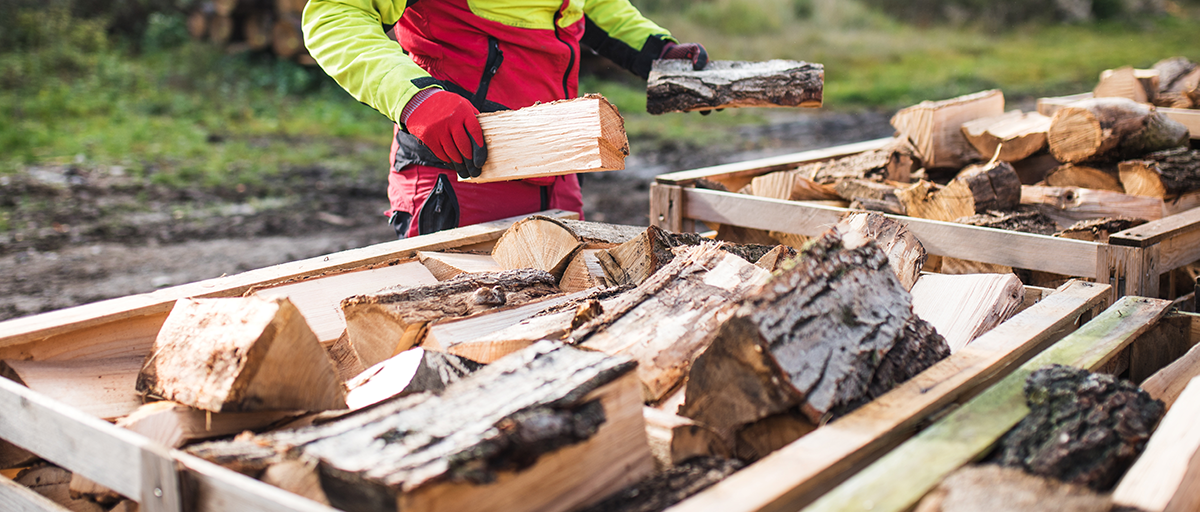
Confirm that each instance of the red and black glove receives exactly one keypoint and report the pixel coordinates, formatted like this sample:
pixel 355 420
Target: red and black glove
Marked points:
pixel 445 122
pixel 694 52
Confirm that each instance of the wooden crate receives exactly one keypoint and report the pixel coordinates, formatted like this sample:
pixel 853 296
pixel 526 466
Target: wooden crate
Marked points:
pixel 1132 261
pixel 1188 117
pixel 166 479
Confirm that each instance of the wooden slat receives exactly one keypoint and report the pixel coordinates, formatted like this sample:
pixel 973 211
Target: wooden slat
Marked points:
pixel 898 480
pixel 1001 247
pixel 104 388
pixel 15 497
pixel 73 320
pixel 771 164
pixel 796 474
pixel 1157 231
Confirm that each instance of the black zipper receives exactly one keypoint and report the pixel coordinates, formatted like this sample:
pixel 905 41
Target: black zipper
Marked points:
pixel 570 65
pixel 439 195
pixel 490 67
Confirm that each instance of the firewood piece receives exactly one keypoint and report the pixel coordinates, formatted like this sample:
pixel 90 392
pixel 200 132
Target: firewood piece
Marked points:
pixel 1068 205
pixel 1083 176
pixel 894 162
pixel 774 260
pixel 413 371
pixel 549 244
pixel 461 336
pixel 935 127
pixel 1097 230
pixel 669 487
pixel 12 456
pixel 687 299
pixel 1164 174
pixel 174 424
pixel 54 483
pixel 963 307
pixel 636 260
pixel 81 488
pixel 584 134
pixel 1111 129
pixel 992 487
pixel 977 189
pixel 1163 478
pixel 105 388
pixel 790 186
pixel 1035 168
pixel 584 272
pixel 1177 76
pixel 298 477
pixel 496 440
pixel 675 439
pixel 757 440
pixel 1017 134
pixel 1083 428
pixel 828 334
pixel 1125 83
pixel 1026 219
pixel 445 265
pixel 1168 383
pixel 673 86
pixel 345 359
pixel 906 255
pixel 871 195
pixel 240 354
pixel 393 320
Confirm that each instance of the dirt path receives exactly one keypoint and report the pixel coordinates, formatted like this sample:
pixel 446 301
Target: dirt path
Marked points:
pixel 89 248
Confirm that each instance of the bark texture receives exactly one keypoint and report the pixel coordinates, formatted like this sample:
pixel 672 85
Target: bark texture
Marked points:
pixel 1111 129
pixel 673 86
pixel 669 487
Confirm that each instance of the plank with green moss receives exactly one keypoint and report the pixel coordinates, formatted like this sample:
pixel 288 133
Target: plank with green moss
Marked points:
pixel 900 479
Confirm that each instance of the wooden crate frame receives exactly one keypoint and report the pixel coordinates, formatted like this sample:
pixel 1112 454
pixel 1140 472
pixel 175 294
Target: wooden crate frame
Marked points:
pixel 163 479
pixel 1132 261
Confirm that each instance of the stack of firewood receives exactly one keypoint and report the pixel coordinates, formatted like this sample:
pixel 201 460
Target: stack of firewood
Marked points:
pixel 240 25
pixel 1173 83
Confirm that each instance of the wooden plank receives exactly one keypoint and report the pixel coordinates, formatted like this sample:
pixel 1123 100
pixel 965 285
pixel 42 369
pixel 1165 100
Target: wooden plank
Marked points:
pixel 1001 247
pixel 551 139
pixel 1167 383
pixel 319 298
pixel 1164 476
pixel 895 483
pixel 123 336
pixel 103 388
pixel 15 497
pixel 79 321
pixel 798 473
pixel 750 168
pixel 666 207
pixel 1157 231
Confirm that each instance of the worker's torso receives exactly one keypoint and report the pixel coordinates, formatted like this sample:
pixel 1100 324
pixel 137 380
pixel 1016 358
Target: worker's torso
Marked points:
pixel 534 42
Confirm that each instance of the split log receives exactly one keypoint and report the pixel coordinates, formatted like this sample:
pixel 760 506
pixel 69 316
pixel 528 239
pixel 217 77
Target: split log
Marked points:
pixel 105 388
pixel 1126 82
pixel 665 489
pixel 298 477
pixel 894 162
pixel 871 195
pixel 1163 478
pixel 935 127
pixel 583 272
pixel 1035 168
pixel 1017 135
pixel 1097 230
pixel 445 265
pixel 687 299
pixel 585 134
pixel 174 424
pixel 906 255
pixel 1083 428
pixel 1168 383
pixel 1082 176
pixel 674 439
pixel 827 335
pixel 393 320
pixel 415 370
pixel 977 189
pixel 775 259
pixel 1164 174
pixel 345 359
pixel 497 440
pixel 757 440
pixel 1111 129
pixel 673 86
pixel 549 244
pixel 790 186
pixel 81 488
pixel 992 487
pixel 634 261
pixel 54 483
pixel 1026 219
pixel 240 354
pixel 1177 76
pixel 1068 205
pixel 963 307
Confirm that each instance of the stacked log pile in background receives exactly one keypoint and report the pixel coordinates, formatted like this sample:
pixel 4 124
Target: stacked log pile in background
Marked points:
pixel 264 25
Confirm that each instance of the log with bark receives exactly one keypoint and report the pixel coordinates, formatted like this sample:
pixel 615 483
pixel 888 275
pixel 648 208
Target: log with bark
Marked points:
pixel 1017 135
pixel 1163 174
pixel 673 86
pixel 871 195
pixel 1097 230
pixel 1140 85
pixel 1083 428
pixel 1026 219
pixel 415 370
pixel 549 244
pixel 393 320
pixel 963 307
pixel 906 255
pixel 978 188
pixel 497 440
pixel 1111 129
pixel 634 261
pixel 240 354
pixel 1069 205
pixel 827 335
pixel 585 134
pixel 895 162
pixel 1098 177
pixel 935 127
pixel 583 272
pixel 1178 81
pixel 669 487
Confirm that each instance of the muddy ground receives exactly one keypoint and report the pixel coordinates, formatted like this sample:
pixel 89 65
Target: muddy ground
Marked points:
pixel 86 246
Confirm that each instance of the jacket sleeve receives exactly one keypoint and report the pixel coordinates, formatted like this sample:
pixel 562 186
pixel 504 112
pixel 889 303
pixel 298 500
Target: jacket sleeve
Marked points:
pixel 347 39
pixel 616 30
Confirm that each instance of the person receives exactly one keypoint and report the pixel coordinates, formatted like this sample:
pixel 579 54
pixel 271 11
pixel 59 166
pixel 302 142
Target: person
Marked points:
pixel 452 59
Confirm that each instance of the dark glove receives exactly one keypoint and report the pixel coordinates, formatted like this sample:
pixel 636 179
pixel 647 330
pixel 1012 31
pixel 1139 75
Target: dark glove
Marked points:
pixel 445 122
pixel 692 51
